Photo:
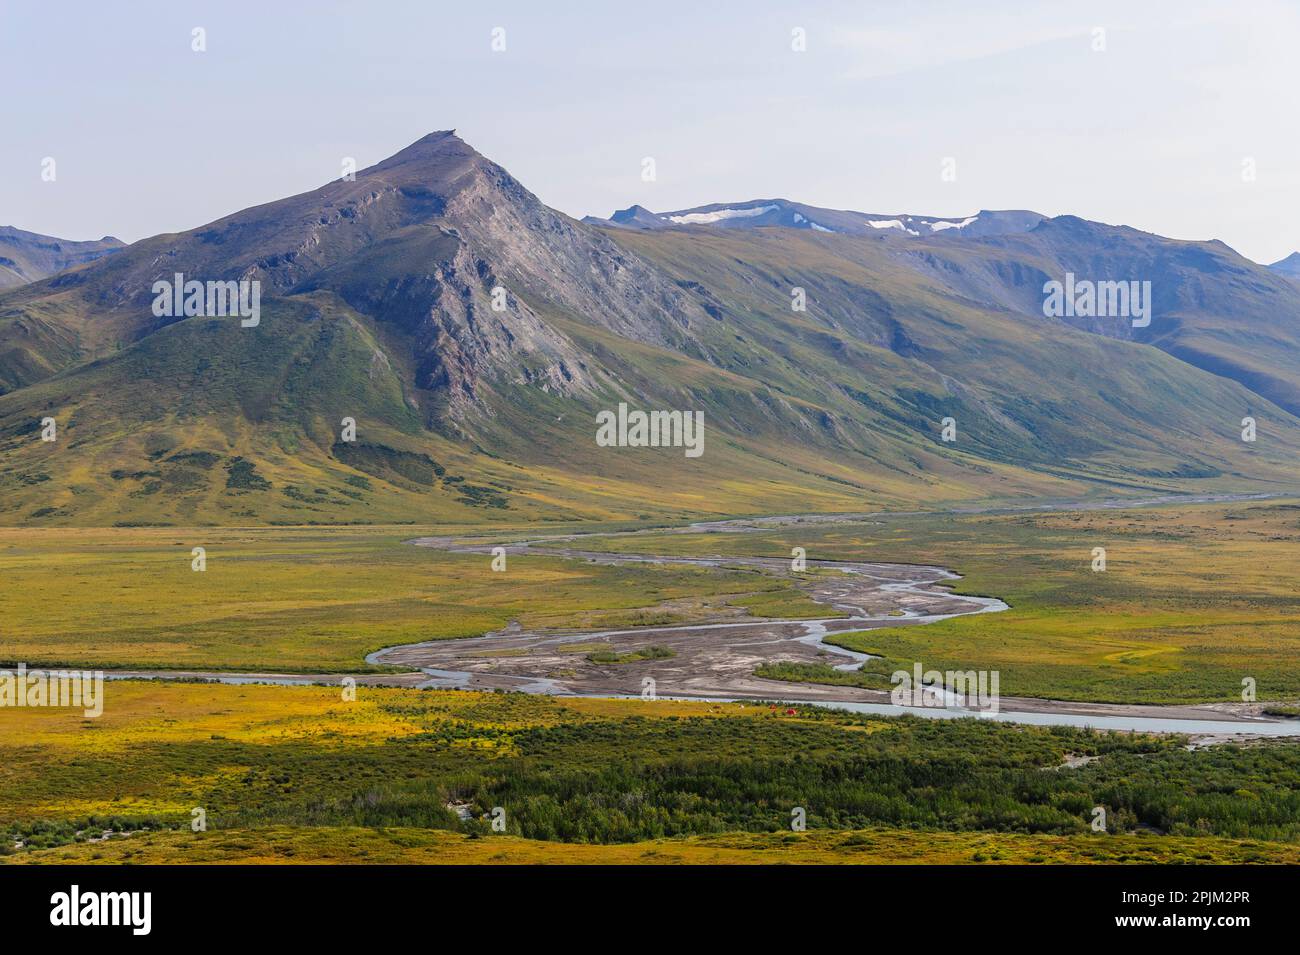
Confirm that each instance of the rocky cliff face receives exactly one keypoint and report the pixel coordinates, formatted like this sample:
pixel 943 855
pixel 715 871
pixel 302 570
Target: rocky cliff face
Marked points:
pixel 419 241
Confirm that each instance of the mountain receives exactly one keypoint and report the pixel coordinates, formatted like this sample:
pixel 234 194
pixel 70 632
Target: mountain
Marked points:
pixel 27 256
pixel 632 217
pixel 473 335
pixel 1210 307
pixel 425 233
pixel 760 213
pixel 1290 266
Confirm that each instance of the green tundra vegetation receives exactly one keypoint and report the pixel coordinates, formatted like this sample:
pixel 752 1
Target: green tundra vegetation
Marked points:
pixel 633 656
pixel 279 845
pixel 274 759
pixel 1194 597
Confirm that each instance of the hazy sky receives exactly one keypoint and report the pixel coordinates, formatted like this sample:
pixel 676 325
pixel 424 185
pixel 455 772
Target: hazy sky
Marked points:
pixel 149 136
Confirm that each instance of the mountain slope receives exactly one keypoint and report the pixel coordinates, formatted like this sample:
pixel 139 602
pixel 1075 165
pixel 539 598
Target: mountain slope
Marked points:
pixel 1211 307
pixel 1043 394
pixel 378 303
pixel 28 256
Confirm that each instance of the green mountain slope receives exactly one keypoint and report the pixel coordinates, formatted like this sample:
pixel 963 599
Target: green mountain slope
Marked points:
pixel 1212 308
pixel 881 336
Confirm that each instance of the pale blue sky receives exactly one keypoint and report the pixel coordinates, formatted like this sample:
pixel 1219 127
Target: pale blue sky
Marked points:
pixel 149 136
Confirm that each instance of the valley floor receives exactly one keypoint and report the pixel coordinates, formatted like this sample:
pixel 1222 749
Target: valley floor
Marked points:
pixel 1194 603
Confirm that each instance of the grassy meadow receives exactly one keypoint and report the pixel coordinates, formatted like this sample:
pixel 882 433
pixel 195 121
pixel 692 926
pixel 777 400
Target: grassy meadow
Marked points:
pixel 312 599
pixel 299 774
pixel 285 845
pixel 1194 598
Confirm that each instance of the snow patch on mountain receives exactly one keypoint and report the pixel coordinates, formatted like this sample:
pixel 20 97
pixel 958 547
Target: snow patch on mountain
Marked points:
pixel 704 218
pixel 940 226
pixel 890 224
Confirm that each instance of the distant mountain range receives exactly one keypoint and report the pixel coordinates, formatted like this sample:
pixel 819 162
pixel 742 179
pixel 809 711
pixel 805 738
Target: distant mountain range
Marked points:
pixel 27 256
pixel 1289 266
pixel 473 334
pixel 760 213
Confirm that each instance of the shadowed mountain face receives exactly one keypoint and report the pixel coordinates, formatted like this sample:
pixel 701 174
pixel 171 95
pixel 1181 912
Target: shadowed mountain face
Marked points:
pixel 473 335
pixel 1290 266
pixel 27 257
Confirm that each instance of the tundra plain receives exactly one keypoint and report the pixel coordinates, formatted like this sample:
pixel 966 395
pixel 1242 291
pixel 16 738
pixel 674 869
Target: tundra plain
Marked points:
pixel 1194 598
